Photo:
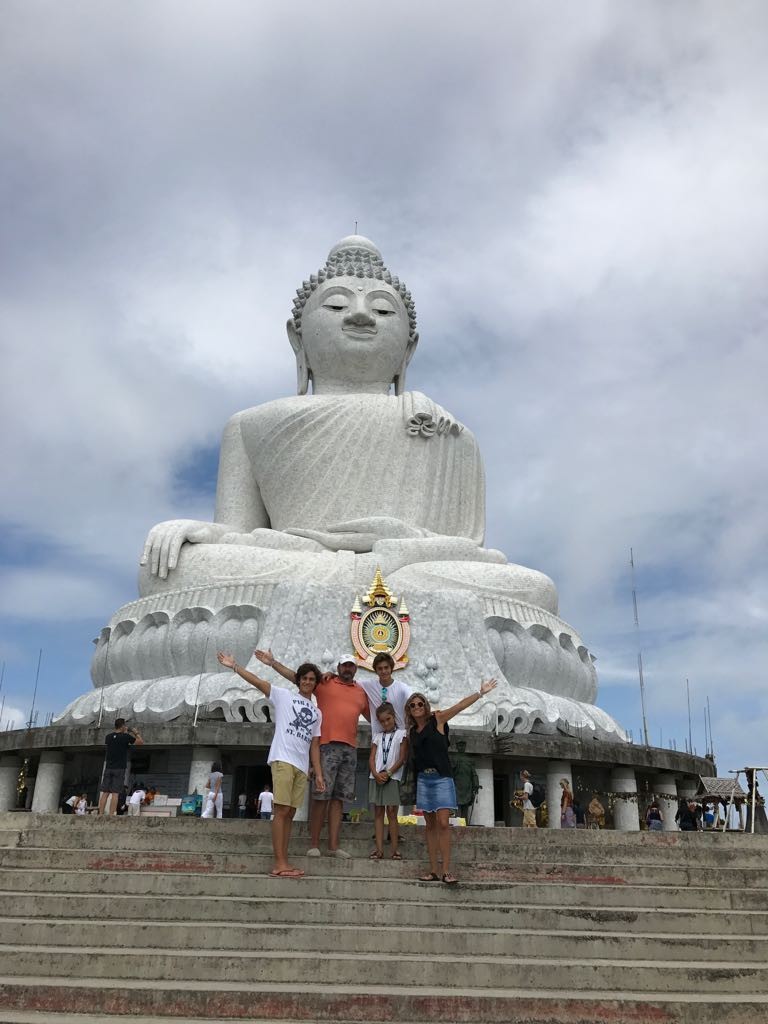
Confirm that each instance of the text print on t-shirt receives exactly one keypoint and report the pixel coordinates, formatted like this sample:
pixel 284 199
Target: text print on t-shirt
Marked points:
pixel 304 717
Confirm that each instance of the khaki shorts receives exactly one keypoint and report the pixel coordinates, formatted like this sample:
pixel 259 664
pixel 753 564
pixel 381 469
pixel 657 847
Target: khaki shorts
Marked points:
pixel 289 784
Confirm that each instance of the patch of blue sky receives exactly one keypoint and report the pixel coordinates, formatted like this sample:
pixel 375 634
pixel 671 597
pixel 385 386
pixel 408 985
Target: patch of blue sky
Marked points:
pixel 196 476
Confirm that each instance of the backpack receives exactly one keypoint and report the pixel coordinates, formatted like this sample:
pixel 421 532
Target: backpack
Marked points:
pixel 539 795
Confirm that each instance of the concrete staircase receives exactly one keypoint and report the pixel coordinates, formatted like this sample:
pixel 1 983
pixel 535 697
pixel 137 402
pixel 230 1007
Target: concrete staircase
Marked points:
pixel 160 918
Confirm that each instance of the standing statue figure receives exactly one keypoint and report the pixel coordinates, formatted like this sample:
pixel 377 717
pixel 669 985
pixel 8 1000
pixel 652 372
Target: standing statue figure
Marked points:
pixel 465 780
pixel 315 493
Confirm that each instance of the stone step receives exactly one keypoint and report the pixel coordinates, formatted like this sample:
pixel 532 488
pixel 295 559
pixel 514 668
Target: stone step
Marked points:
pixel 379 968
pixel 211 837
pixel 374 1004
pixel 554 892
pixel 420 914
pixel 227 936
pixel 488 870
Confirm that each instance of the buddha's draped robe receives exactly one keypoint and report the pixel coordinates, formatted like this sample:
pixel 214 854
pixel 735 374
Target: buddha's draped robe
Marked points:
pixel 321 460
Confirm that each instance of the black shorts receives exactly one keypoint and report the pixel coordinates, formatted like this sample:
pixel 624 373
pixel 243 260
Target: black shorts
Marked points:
pixel 113 780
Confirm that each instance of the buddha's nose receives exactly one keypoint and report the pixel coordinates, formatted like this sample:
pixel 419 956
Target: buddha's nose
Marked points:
pixel 359 318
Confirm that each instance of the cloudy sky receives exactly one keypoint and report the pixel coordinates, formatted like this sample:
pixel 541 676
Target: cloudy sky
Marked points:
pixel 577 200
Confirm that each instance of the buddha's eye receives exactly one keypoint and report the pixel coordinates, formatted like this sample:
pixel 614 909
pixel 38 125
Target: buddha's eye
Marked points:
pixel 334 306
pixel 381 311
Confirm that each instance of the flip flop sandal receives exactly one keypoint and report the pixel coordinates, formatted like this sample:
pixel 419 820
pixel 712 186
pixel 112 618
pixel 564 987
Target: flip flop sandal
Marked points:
pixel 375 855
pixel 450 880
pixel 397 855
pixel 431 877
pixel 287 873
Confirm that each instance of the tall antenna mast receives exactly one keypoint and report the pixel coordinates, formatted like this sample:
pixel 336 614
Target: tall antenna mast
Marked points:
pixel 32 719
pixel 639 652
pixel 711 749
pixel 688 694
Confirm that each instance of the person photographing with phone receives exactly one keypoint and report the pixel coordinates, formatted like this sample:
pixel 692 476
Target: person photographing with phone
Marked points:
pixel 116 744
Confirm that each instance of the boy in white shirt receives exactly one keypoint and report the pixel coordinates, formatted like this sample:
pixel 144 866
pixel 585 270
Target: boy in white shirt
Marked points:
pixel 295 743
pixel 265 803
pixel 135 801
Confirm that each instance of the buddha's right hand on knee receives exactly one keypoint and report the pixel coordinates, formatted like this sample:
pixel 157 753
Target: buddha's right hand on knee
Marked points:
pixel 164 541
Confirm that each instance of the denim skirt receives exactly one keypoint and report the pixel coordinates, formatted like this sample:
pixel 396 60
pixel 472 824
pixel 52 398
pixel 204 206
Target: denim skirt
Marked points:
pixel 434 792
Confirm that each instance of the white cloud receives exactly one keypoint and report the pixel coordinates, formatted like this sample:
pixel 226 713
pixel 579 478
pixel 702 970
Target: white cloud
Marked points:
pixel 577 204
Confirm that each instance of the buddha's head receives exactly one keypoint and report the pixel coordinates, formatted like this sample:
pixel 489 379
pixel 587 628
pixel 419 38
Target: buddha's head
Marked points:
pixel 354 324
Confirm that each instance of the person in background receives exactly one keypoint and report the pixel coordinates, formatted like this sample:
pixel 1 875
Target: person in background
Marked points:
pixel 654 819
pixel 68 807
pixel 688 816
pixel 135 800
pixel 529 811
pixel 81 807
pixel 242 803
pixel 116 746
pixel 214 804
pixel 265 803
pixel 567 815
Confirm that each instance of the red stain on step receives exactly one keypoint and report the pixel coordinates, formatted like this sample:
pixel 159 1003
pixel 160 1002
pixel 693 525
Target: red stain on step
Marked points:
pixel 318 1007
pixel 130 862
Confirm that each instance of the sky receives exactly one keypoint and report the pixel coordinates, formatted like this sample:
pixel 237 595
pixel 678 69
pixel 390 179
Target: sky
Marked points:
pixel 579 207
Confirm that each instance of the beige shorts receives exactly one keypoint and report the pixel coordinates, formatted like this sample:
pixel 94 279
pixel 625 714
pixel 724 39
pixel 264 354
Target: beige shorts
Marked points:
pixel 289 784
pixel 529 819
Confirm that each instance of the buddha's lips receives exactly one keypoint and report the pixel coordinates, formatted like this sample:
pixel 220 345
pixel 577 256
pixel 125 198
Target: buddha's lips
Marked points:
pixel 362 332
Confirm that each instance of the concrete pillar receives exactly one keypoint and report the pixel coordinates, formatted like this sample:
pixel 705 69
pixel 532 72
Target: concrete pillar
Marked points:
pixel 686 788
pixel 200 769
pixel 9 776
pixel 556 770
pixel 664 791
pixel 50 776
pixel 483 811
pixel 625 810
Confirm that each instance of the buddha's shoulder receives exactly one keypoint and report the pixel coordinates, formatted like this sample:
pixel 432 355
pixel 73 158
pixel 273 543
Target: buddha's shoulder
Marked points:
pixel 293 405
pixel 400 409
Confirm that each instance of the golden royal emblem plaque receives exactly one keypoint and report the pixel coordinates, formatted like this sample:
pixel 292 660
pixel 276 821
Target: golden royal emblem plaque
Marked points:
pixel 380 627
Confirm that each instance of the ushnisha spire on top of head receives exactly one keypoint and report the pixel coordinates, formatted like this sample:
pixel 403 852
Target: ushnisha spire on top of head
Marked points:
pixel 354 256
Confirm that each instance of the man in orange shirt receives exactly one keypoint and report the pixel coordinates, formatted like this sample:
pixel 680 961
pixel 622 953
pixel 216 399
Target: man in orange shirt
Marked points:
pixel 341 702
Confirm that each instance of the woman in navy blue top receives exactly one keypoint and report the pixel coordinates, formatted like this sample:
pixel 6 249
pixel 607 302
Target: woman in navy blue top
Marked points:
pixel 435 792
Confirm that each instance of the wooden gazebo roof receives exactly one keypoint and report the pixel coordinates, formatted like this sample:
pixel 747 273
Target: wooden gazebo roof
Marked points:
pixel 719 788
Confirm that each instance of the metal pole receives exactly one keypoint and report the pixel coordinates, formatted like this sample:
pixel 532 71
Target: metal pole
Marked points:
pixel 34 694
pixel 200 679
pixel 688 694
pixel 711 741
pixel 639 652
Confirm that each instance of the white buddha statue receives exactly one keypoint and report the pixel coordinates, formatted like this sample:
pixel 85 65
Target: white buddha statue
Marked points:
pixel 359 465
pixel 317 491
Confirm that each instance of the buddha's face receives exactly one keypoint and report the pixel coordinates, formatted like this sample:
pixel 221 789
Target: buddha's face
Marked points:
pixel 355 330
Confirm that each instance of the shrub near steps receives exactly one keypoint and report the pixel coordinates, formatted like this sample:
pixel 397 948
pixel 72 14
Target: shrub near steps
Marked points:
pixel 178 918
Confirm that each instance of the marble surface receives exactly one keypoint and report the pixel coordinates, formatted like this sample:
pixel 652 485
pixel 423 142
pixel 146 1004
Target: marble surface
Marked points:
pixel 314 493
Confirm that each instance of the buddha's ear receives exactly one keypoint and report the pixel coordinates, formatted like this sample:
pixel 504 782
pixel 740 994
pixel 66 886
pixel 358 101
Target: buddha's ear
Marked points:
pixel 399 380
pixel 303 371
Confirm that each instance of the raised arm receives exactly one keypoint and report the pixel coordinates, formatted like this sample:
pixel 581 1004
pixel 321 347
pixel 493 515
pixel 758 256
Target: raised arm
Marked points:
pixel 267 658
pixel 229 662
pixel 467 702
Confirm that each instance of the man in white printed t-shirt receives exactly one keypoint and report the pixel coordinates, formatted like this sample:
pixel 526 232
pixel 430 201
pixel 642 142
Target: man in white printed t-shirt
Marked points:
pixel 295 743
pixel 385 690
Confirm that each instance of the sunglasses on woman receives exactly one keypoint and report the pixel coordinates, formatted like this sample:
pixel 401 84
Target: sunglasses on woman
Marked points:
pixel 416 704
